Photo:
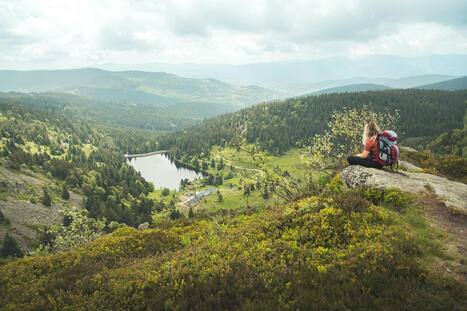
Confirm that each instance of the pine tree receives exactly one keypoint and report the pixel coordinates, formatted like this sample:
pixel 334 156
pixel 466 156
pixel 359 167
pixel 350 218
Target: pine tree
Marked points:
pixel 46 199
pixel 10 248
pixel 191 214
pixel 265 193
pixel 65 193
pixel 2 218
pixel 174 214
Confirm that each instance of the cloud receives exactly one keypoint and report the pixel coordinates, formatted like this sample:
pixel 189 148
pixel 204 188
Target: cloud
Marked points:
pixel 79 33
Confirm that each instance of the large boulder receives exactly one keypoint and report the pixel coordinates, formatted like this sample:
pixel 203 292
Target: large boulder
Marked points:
pixel 453 193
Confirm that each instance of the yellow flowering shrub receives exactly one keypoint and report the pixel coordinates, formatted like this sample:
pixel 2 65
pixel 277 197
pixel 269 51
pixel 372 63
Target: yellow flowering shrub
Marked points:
pixel 319 253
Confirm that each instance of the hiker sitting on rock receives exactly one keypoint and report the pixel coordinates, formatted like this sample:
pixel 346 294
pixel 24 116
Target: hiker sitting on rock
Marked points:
pixel 371 151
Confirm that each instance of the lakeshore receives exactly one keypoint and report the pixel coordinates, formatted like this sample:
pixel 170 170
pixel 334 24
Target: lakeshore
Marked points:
pixel 145 154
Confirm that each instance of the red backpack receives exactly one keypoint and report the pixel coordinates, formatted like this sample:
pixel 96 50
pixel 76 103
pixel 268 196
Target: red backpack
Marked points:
pixel 388 150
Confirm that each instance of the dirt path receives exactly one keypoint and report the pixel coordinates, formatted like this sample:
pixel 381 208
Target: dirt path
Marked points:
pixel 455 225
pixel 228 162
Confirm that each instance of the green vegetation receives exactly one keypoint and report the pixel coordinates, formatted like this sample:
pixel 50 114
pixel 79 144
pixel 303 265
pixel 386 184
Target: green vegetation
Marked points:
pixel 280 232
pixel 449 85
pixel 3 219
pixel 280 126
pixel 65 194
pixel 334 251
pixel 76 230
pixel 165 192
pixel 147 100
pixel 46 198
pixel 134 86
pixel 10 248
pixel 453 142
pixel 289 161
pixel 454 168
pixel 150 115
pixel 352 88
pixel 86 159
pixel 232 200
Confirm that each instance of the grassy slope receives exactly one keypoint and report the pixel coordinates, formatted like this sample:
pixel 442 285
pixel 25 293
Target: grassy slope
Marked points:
pixel 231 191
pixel 335 252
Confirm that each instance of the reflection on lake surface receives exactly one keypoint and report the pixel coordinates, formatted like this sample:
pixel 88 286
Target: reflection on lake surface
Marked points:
pixel 162 171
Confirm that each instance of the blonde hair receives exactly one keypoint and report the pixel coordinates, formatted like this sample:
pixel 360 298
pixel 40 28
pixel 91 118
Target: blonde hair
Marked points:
pixel 371 131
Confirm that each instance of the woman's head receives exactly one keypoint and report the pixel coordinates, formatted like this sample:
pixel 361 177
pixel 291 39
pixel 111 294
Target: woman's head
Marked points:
pixel 371 131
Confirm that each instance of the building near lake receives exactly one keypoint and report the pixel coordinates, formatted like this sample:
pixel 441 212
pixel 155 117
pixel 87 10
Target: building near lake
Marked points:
pixel 201 195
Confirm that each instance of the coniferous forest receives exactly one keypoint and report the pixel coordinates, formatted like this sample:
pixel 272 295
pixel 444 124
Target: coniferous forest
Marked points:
pixel 279 126
pixel 84 158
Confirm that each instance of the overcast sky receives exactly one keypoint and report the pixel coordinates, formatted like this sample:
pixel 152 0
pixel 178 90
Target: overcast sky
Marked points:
pixel 62 34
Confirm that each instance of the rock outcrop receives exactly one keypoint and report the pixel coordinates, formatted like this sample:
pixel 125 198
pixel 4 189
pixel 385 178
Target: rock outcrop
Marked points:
pixel 24 216
pixel 409 166
pixel 408 149
pixel 453 193
pixel 143 226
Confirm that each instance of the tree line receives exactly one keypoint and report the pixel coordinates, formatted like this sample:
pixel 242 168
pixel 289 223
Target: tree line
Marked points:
pixel 280 125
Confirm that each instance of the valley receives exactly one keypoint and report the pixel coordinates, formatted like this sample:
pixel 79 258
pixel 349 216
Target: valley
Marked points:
pixel 233 155
pixel 80 183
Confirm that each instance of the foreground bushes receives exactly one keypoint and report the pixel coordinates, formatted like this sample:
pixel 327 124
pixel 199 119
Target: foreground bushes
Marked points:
pixel 339 252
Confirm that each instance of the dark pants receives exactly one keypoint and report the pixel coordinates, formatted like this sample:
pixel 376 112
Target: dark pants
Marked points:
pixel 353 160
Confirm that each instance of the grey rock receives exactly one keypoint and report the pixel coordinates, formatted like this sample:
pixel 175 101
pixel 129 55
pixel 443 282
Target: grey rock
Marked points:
pixel 408 149
pixel 453 193
pixel 409 166
pixel 143 226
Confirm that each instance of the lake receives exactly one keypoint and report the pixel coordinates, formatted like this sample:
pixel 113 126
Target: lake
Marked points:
pixel 162 171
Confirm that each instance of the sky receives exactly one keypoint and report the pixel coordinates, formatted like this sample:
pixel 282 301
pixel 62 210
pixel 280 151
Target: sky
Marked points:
pixel 51 34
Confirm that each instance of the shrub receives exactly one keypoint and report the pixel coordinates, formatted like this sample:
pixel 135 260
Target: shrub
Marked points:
pixel 10 248
pixel 191 214
pixel 65 193
pixel 46 198
pixel 393 198
pixel 319 253
pixel 398 199
pixel 3 219
pixel 335 185
pixel 165 192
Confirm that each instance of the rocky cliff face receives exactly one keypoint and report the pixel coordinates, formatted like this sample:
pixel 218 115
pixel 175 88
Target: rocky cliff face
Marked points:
pixel 26 215
pixel 453 193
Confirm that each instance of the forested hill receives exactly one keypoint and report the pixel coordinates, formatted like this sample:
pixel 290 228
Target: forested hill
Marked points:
pixel 280 125
pixel 160 116
pixel 87 160
pixel 450 85
pixel 353 88
pixel 133 86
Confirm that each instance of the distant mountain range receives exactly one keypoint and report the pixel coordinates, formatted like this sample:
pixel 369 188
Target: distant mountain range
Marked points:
pixel 352 88
pixel 136 87
pixel 450 85
pixel 305 73
pixel 163 101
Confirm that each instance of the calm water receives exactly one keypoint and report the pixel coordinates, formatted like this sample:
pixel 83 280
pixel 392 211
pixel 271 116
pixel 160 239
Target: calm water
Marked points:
pixel 162 172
